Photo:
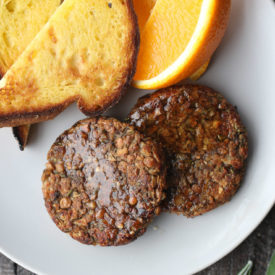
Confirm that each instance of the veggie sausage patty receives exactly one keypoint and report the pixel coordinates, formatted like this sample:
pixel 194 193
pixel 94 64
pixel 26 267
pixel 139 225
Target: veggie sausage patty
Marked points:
pixel 205 142
pixel 103 182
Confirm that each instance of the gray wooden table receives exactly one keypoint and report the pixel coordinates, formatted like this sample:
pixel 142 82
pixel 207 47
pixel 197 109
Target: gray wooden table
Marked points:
pixel 258 247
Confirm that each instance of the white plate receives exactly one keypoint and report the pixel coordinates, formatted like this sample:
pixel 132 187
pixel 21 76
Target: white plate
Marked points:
pixel 244 71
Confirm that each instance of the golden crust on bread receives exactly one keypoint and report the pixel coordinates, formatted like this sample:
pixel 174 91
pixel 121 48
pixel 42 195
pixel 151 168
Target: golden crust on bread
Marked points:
pixel 85 53
pixel 21 134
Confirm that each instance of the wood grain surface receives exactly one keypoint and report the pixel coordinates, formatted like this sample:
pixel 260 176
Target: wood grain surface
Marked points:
pixel 258 247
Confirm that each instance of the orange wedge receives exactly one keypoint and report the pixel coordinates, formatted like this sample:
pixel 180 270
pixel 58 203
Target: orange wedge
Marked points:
pixel 197 74
pixel 178 38
pixel 143 10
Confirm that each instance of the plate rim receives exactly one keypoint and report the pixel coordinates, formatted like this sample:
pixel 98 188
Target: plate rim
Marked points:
pixel 213 260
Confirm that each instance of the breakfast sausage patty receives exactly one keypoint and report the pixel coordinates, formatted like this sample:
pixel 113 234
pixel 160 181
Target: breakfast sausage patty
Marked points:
pixel 103 182
pixel 205 142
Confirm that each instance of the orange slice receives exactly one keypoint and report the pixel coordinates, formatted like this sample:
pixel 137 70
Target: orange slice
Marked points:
pixel 143 10
pixel 177 38
pixel 197 74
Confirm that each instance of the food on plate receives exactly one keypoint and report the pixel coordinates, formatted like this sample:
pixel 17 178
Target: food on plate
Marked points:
pixel 205 142
pixel 197 74
pixel 178 38
pixel 21 134
pixel 104 182
pixel 20 21
pixel 85 53
pixel 143 9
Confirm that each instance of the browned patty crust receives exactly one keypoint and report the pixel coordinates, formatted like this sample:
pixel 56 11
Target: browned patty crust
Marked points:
pixel 205 142
pixel 103 182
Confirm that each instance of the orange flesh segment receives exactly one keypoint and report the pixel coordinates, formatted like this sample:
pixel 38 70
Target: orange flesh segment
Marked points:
pixel 166 35
pixel 143 10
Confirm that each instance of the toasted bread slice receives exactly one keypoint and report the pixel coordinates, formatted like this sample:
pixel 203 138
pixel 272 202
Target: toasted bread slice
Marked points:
pixel 21 134
pixel 86 53
pixel 20 21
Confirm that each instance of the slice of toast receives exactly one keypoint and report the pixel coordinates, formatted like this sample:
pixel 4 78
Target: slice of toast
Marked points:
pixel 21 20
pixel 21 134
pixel 86 53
